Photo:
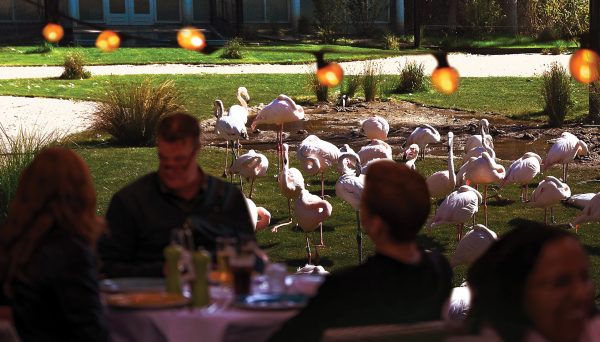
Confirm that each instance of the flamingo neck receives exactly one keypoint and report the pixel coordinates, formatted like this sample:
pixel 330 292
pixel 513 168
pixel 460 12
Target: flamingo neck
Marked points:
pixel 451 173
pixel 242 101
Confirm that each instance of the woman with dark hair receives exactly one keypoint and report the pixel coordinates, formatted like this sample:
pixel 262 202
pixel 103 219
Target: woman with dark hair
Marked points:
pixel 533 285
pixel 47 259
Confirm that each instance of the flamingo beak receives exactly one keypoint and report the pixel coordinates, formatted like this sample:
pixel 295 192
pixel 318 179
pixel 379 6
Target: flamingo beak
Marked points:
pixel 576 228
pixel 468 182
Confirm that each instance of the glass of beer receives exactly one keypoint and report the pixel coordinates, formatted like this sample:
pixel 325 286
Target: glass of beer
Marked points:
pixel 225 250
pixel 242 265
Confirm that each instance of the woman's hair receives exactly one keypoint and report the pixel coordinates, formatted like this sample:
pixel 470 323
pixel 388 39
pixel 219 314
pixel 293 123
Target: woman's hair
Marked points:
pixel 54 192
pixel 399 196
pixel 498 279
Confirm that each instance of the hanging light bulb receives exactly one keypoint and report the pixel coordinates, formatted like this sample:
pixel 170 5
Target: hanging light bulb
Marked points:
pixel 191 38
pixel 329 74
pixel 584 66
pixel 53 32
pixel 444 78
pixel 108 41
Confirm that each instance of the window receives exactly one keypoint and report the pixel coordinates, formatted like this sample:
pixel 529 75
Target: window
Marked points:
pixel 91 10
pixel 168 10
pixel 5 9
pixel 201 10
pixel 266 11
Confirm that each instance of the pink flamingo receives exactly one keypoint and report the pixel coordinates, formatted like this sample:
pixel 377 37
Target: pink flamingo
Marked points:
pixel 291 183
pixel 228 128
pixel 423 136
pixel 311 211
pixel 261 217
pixel 564 150
pixel 522 171
pixel 548 193
pixel 374 150
pixel 473 245
pixel 590 213
pixel 250 165
pixel 457 208
pixel 409 157
pixel 478 150
pixel 476 140
pixel 442 183
pixel 375 127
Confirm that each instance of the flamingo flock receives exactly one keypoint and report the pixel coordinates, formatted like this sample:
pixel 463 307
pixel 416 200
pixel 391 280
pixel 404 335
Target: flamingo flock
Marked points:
pixel 458 190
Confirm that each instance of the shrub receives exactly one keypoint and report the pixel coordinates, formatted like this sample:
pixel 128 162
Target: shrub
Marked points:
pixel 313 85
pixel 42 48
pixel 74 67
pixel 364 13
pixel 233 48
pixel 482 15
pixel 556 92
pixel 15 154
pixel 350 85
pixel 391 42
pixel 130 112
pixel 371 80
pixel 329 16
pixel 412 78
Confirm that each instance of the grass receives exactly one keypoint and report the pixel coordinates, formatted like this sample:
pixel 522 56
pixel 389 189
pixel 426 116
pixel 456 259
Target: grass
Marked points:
pixel 499 42
pixel 112 168
pixel 29 55
pixel 515 97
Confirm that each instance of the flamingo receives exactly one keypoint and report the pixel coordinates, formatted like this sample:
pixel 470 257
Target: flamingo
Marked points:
pixel 311 211
pixel 281 110
pixel 473 245
pixel 475 140
pixel 549 192
pixel 349 187
pixel 228 128
pixel 483 170
pixel 442 183
pixel 423 136
pixel 250 165
pixel 522 171
pixel 375 149
pixel 564 151
pixel 410 156
pixel 579 201
pixel 478 150
pixel 375 127
pixel 260 216
pixel 457 208
pixel 590 213
pixel 291 183
pixel 241 110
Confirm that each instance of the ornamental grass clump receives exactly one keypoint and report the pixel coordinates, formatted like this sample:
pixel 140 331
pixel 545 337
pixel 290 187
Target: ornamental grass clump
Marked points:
pixel 312 83
pixel 371 80
pixel 556 92
pixel 233 49
pixel 130 112
pixel 74 67
pixel 412 78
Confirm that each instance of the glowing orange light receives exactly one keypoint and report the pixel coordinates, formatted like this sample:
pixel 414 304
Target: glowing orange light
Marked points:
pixel 108 41
pixel 191 38
pixel 584 66
pixel 330 75
pixel 53 32
pixel 445 80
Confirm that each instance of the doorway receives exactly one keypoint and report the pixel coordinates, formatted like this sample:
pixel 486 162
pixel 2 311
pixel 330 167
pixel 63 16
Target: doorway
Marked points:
pixel 130 12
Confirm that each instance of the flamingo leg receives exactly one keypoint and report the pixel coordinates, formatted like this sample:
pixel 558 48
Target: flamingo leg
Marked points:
pixel 526 192
pixel 552 215
pixel 251 188
pixel 459 230
pixel 322 244
pixel 565 172
pixel 485 188
pixel 276 227
pixel 224 175
pixel 545 216
pixel 309 255
pixel 359 237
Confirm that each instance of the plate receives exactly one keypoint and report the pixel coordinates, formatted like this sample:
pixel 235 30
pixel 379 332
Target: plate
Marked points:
pixel 271 302
pixel 146 300
pixel 118 285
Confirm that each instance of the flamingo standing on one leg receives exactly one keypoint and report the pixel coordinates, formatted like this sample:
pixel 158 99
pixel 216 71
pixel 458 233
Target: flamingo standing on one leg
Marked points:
pixel 442 183
pixel 228 128
pixel 590 213
pixel 281 110
pixel 349 187
pixel 240 111
pixel 250 165
pixel 564 150
pixel 260 216
pixel 548 193
pixel 457 208
pixel 291 183
pixel 477 140
pixel 423 136
pixel 522 171
pixel 311 211
pixel 375 127
pixel 473 245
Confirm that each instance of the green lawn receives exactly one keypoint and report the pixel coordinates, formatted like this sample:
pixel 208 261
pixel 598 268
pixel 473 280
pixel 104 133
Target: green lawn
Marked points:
pixel 515 97
pixel 282 54
pixel 112 168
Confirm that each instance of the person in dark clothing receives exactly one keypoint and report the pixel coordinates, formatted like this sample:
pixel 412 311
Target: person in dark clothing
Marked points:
pixel 142 215
pixel 400 284
pixel 47 260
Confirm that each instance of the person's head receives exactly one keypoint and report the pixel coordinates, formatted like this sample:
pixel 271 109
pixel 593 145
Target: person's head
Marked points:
pixel 394 198
pixel 54 192
pixel 534 277
pixel 178 143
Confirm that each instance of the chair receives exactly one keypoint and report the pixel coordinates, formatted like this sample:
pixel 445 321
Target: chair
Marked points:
pixel 421 331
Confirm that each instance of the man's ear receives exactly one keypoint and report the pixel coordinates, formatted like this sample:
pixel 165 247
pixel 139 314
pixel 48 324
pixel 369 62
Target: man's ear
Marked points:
pixel 377 228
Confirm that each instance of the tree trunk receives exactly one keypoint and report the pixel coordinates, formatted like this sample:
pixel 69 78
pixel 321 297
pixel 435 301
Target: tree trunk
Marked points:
pixel 512 16
pixel 594 97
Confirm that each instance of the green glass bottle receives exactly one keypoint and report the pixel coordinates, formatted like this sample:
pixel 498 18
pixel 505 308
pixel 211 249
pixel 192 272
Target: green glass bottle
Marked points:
pixel 200 294
pixel 172 255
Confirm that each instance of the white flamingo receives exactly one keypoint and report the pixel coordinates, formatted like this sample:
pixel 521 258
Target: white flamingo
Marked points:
pixel 261 217
pixel 473 245
pixel 374 150
pixel 228 128
pixel 457 208
pixel 442 183
pixel 564 151
pixel 579 201
pixel 522 171
pixel 548 193
pixel 375 127
pixel 291 183
pixel 475 140
pixel 590 213
pixel 409 157
pixel 483 170
pixel 311 211
pixel 423 136
pixel 281 110
pixel 250 165
pixel 240 111
pixel 349 187
pixel 478 150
